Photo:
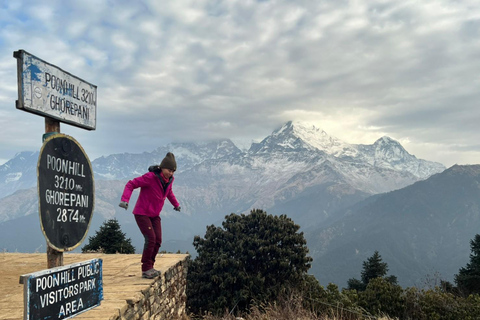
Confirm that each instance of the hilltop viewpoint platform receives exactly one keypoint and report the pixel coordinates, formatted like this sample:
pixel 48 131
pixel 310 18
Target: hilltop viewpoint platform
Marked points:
pixel 126 295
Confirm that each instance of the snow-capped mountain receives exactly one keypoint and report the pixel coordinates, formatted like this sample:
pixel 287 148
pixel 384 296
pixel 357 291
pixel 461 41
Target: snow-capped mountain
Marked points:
pixel 388 153
pixel 385 153
pixel 20 172
pixel 298 170
pixel 308 152
pixel 294 158
pixel 187 155
pixel 296 136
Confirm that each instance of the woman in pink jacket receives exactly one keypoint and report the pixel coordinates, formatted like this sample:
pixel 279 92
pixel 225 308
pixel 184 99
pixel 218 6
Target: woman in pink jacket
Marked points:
pixel 155 186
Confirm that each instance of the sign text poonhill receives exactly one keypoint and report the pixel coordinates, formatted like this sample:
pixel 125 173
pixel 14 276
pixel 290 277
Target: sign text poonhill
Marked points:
pixel 49 91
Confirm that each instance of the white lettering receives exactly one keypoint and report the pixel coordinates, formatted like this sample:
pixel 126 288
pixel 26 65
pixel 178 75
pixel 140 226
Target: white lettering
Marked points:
pixel 61 198
pixel 65 166
pixel 88 270
pixel 70 308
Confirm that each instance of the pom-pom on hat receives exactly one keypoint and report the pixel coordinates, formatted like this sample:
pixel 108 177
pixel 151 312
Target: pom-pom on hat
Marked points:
pixel 169 162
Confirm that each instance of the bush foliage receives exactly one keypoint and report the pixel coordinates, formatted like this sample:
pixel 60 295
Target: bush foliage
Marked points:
pixel 257 264
pixel 253 259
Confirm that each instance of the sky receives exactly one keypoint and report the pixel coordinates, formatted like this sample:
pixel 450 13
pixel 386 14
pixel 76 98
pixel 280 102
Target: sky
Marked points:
pixel 185 71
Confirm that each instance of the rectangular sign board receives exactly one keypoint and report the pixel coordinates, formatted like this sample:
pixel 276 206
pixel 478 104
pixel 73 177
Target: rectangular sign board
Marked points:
pixel 62 292
pixel 47 90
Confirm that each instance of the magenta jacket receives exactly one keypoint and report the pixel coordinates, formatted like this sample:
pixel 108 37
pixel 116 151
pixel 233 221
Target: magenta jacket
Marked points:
pixel 152 196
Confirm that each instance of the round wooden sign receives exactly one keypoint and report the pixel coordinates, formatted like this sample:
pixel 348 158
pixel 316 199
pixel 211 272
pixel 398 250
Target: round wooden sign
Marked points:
pixel 66 192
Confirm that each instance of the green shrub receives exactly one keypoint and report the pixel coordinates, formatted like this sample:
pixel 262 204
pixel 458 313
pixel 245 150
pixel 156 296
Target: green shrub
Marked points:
pixel 436 304
pixel 251 259
pixel 382 297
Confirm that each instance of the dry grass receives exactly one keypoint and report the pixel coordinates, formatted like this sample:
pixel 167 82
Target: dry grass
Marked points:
pixel 280 315
pixel 288 310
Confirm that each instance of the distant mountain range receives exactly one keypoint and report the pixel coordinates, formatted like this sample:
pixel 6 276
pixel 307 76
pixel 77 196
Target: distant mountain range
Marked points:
pixel 298 170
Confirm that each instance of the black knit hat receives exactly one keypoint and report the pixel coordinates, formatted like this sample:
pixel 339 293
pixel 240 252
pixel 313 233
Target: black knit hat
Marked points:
pixel 169 162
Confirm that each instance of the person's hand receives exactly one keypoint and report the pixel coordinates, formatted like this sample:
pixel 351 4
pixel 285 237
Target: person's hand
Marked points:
pixel 177 208
pixel 123 205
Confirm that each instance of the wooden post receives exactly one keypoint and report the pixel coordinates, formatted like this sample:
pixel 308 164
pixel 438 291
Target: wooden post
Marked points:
pixel 54 257
pixel 51 125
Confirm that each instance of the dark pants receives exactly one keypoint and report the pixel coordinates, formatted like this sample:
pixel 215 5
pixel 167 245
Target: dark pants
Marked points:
pixel 151 229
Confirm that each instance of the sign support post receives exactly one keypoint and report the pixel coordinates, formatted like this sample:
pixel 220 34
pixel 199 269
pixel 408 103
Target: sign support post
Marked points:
pixel 54 257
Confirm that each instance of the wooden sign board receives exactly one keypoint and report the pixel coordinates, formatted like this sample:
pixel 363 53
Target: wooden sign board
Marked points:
pixel 47 90
pixel 63 292
pixel 66 192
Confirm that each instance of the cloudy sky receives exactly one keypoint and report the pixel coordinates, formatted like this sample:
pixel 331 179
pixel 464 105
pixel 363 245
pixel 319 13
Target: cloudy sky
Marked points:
pixel 186 70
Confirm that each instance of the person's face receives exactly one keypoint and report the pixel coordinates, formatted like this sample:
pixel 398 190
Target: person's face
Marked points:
pixel 167 173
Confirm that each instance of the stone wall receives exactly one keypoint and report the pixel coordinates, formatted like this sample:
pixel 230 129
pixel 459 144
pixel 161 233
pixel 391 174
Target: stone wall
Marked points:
pixel 165 298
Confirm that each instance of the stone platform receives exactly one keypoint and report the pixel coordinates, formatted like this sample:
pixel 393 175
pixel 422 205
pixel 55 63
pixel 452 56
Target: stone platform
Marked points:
pixel 122 280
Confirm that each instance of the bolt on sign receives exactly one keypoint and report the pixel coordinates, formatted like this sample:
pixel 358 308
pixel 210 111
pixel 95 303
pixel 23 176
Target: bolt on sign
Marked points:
pixel 62 292
pixel 50 91
pixel 66 192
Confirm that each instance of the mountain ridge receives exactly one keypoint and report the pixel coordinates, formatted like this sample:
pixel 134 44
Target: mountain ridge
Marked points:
pixel 298 170
pixel 419 230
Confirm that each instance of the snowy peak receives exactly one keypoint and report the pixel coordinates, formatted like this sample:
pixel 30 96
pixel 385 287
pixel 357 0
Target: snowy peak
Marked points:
pixel 388 143
pixel 387 149
pixel 296 136
pixel 389 154
pixel 316 137
pixel 20 161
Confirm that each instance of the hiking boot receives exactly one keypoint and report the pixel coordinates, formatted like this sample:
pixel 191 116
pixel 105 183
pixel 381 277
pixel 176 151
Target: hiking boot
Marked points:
pixel 150 274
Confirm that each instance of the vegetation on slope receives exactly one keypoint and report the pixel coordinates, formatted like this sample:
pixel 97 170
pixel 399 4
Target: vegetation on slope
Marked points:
pixel 255 267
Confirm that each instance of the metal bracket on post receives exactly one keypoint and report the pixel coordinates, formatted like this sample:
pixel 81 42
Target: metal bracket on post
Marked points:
pixel 46 135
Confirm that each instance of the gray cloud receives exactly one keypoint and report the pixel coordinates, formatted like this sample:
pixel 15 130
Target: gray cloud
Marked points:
pixel 189 70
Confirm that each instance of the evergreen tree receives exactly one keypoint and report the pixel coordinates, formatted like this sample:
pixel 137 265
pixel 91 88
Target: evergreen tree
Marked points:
pixel 372 268
pixel 468 277
pixel 109 239
pixel 252 259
